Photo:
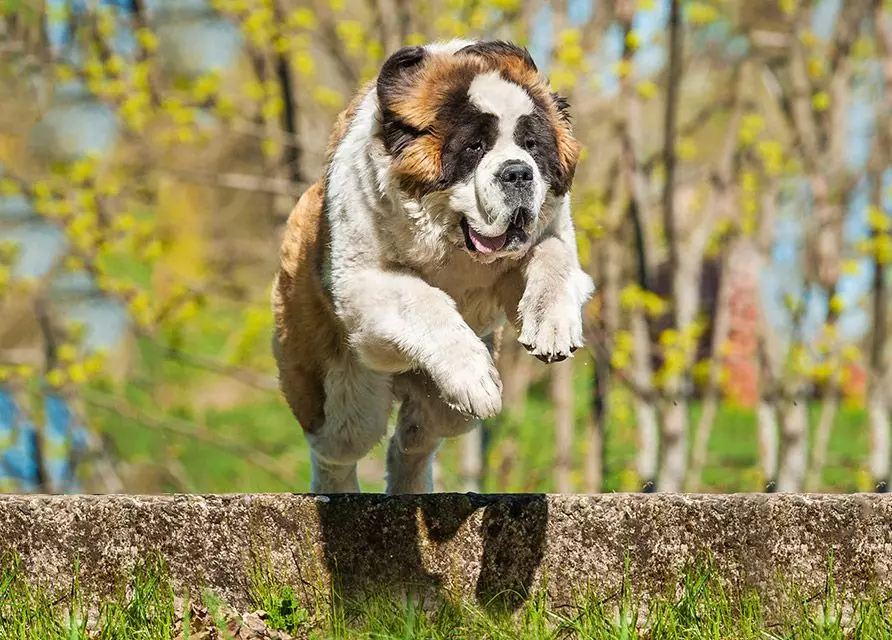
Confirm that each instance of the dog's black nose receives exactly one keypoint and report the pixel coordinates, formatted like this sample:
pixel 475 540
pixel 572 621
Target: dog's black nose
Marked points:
pixel 516 173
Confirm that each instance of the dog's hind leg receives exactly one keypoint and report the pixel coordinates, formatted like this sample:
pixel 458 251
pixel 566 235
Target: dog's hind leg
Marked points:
pixel 357 405
pixel 424 420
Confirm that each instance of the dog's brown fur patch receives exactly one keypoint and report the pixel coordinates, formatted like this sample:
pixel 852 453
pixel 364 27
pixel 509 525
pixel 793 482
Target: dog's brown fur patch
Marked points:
pixel 308 336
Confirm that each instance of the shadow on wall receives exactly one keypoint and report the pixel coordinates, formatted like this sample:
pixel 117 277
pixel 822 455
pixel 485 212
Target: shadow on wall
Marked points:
pixel 398 545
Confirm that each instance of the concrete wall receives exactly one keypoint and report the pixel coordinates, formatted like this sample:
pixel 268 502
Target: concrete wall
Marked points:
pixel 482 548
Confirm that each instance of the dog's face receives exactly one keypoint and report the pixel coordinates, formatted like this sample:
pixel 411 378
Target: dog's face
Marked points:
pixel 477 137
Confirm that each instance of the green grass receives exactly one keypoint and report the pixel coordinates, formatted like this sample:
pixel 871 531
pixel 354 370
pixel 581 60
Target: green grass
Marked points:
pixel 702 609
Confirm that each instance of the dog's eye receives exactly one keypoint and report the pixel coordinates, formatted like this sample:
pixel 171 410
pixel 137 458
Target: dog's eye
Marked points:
pixel 530 144
pixel 475 147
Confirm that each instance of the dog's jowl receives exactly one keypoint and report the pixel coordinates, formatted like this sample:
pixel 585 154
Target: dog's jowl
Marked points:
pixel 444 209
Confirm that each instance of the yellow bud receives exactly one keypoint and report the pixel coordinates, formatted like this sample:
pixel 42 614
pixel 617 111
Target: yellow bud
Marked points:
pixel 647 90
pixel 77 374
pixel 883 250
pixel 630 297
pixel 302 18
pixel 24 371
pixel 820 101
pixel 620 360
pixel 850 267
pixel 55 378
pixel 836 304
pixel 669 337
pixel 147 40
pixel 700 13
pixel 67 353
pixel 815 67
pixel 270 148
pixel 94 364
pixel 686 149
pixel 851 353
pixel 877 219
pixel 327 97
pixel 623 68
pixel 115 64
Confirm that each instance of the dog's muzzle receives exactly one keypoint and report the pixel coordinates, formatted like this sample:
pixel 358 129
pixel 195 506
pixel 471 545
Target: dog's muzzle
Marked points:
pixel 514 236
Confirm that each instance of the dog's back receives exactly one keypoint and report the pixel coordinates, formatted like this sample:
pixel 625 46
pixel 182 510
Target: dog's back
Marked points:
pixel 308 335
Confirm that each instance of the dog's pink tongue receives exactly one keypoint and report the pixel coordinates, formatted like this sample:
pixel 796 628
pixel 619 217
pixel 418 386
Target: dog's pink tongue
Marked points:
pixel 484 244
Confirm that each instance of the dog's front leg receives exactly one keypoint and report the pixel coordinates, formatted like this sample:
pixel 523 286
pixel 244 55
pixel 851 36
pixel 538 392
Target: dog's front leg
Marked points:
pixel 397 323
pixel 550 290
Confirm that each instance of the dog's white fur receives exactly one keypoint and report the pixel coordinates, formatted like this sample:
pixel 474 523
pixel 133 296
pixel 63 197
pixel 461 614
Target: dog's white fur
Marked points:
pixel 419 310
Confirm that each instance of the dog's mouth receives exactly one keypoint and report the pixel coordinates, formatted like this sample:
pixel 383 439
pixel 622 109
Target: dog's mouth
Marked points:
pixel 513 236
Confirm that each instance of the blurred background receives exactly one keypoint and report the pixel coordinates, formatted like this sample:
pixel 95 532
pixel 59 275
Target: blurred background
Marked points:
pixel 732 204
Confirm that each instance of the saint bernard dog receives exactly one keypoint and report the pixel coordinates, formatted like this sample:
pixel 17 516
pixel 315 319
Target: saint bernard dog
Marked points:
pixel 444 208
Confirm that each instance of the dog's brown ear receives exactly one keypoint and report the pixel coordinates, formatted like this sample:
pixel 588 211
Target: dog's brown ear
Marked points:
pixel 563 106
pixel 394 80
pixel 493 50
pixel 397 72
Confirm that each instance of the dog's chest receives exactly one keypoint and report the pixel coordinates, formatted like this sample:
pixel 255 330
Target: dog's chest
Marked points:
pixel 472 287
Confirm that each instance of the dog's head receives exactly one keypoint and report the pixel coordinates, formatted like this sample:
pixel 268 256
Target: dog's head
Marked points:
pixel 474 132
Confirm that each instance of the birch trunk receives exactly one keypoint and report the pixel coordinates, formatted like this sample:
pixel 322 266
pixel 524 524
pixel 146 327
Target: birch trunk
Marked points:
pixel 472 459
pixel 769 442
pixel 516 369
pixel 610 271
pixel 675 417
pixel 880 378
pixel 794 448
pixel 829 411
pixel 880 444
pixel 721 327
pixel 645 409
pixel 562 400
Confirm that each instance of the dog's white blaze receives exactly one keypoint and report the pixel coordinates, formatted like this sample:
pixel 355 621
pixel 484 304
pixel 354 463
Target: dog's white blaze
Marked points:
pixel 448 46
pixel 490 93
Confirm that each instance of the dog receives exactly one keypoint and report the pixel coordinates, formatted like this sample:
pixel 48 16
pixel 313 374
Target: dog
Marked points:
pixel 443 209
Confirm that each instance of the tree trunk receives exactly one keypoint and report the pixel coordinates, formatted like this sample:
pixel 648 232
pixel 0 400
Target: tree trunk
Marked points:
pixel 674 458
pixel 829 410
pixel 562 400
pixel 794 449
pixel 516 369
pixel 472 459
pixel 645 409
pixel 769 445
pixel 437 474
pixel 701 439
pixel 593 472
pixel 675 418
pixel 609 269
pixel 721 328
pixel 880 444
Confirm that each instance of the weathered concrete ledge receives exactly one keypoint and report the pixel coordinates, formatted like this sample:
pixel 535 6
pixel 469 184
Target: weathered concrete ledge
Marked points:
pixel 470 546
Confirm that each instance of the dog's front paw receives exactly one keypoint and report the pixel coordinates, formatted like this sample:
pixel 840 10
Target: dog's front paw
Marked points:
pixel 551 321
pixel 471 385
pixel 552 335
